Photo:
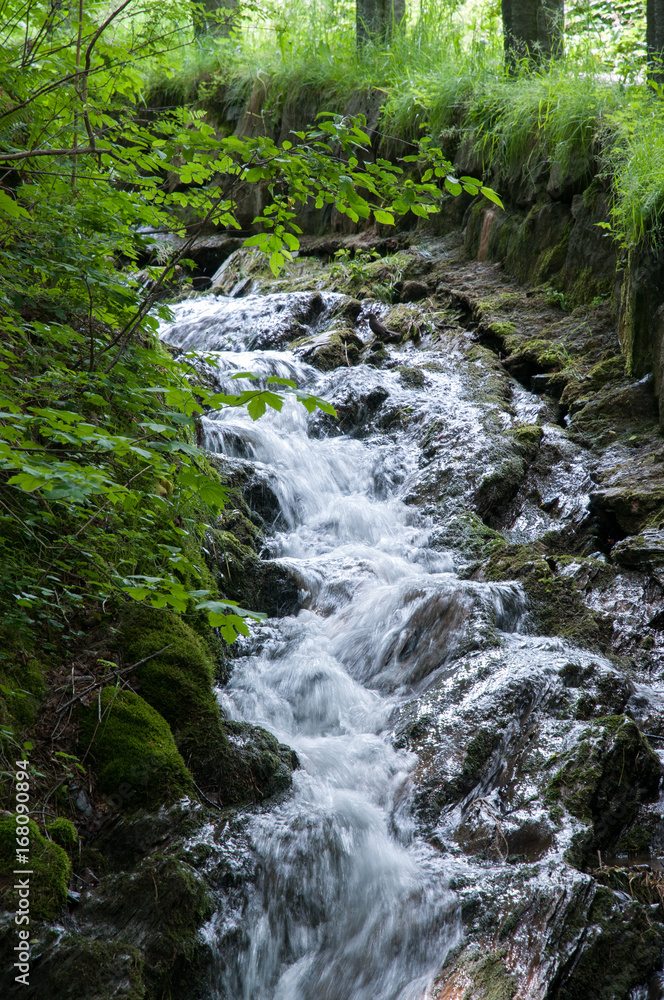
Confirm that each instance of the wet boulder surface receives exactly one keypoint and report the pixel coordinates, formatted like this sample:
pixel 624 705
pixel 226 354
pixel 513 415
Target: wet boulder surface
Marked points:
pixel 478 540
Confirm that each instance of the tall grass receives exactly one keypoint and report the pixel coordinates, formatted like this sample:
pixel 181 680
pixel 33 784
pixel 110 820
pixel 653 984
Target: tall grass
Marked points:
pixel 443 73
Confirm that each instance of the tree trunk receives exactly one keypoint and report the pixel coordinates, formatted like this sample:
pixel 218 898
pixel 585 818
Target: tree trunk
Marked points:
pixel 221 25
pixel 533 30
pixel 376 19
pixel 655 39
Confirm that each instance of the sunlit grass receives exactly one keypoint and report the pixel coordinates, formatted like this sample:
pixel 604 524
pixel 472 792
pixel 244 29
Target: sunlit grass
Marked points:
pixel 443 74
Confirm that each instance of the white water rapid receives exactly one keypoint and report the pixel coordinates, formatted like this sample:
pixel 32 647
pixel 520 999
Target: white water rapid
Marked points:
pixel 349 903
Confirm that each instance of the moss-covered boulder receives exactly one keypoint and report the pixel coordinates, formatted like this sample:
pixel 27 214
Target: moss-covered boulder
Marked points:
pixel 76 968
pixel 255 583
pixel 339 347
pixel 644 551
pixel 135 757
pixel 178 682
pixel 465 531
pixel 50 871
pixel 622 944
pixel 500 485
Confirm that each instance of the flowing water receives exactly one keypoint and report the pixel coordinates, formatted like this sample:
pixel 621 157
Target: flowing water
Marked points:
pixel 350 901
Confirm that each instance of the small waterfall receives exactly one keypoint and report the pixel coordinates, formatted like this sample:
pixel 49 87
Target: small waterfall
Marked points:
pixel 349 904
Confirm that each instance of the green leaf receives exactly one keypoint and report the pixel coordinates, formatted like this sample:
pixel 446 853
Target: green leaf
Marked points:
pixel 492 196
pixel 385 217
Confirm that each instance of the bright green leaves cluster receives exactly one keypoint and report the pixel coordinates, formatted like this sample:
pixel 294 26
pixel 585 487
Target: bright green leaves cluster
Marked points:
pixel 115 492
pixel 103 491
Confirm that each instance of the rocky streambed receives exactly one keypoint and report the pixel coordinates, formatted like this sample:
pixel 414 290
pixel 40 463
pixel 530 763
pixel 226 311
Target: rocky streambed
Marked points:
pixel 464 575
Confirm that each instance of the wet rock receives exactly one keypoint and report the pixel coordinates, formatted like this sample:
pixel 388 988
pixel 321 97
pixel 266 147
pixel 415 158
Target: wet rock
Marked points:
pixel 253 767
pixel 158 908
pixel 644 551
pixel 262 322
pixel 71 967
pixel 259 584
pixel 412 291
pixel 336 348
pixel 499 486
pixel 610 773
pixel 356 411
pixel 556 605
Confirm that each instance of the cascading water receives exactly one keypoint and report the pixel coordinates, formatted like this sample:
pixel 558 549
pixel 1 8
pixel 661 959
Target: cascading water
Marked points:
pixel 350 904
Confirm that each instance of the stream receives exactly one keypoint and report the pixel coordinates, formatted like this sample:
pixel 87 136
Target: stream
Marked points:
pixel 400 657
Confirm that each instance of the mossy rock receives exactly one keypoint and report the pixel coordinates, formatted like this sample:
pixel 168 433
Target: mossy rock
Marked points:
pixel 177 683
pixel 158 907
pixel 63 832
pixel 604 782
pixel 584 385
pixel 555 603
pixel 80 969
pixel 480 977
pixel 50 867
pixel 258 584
pixel 337 348
pixel 465 531
pixel 254 765
pixel 434 792
pixel 622 948
pixel 499 487
pixel 136 759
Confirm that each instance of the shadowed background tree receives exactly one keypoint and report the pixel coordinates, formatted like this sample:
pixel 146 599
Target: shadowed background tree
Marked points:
pixel 655 39
pixel 376 19
pixel 533 30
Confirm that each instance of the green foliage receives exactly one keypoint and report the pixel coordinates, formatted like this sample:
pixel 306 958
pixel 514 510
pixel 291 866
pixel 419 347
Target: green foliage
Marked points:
pixel 103 492
pixel 49 865
pixel 136 759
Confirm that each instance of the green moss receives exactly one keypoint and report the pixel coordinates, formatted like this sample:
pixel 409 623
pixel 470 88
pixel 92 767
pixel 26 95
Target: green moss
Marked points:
pixel 178 682
pixel 501 328
pixel 254 583
pixel 490 978
pixel 465 531
pixel 621 953
pixel 552 260
pixel 255 766
pixel 478 753
pixel 162 903
pixel 555 603
pixel 635 841
pixel 528 436
pixel 64 833
pixel 603 782
pixel 136 759
pixel 411 377
pixel 50 871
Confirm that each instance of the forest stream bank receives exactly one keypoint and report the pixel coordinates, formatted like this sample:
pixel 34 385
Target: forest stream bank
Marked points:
pixel 437 765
